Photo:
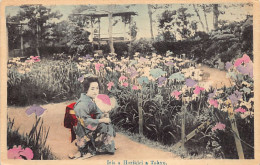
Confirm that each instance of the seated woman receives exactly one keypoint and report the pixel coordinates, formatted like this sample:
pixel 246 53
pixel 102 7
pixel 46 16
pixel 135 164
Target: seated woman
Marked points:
pixel 94 133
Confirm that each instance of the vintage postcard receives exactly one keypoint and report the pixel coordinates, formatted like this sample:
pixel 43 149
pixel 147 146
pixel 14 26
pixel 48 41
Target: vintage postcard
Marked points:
pixel 130 82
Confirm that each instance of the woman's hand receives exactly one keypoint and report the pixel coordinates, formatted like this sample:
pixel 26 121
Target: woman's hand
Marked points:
pixel 105 120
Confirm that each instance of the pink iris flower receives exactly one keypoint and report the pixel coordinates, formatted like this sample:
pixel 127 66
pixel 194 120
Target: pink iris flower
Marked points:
pixel 241 110
pixel 244 59
pixel 219 126
pixel 98 66
pixel 122 78
pixel 109 85
pixel 135 87
pixel 125 84
pixel 198 89
pixel 19 153
pixel 176 94
pixel 35 59
pixel 213 102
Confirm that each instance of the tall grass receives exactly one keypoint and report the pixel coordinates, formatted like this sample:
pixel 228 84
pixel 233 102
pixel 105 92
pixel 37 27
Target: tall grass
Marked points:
pixel 35 139
pixel 47 81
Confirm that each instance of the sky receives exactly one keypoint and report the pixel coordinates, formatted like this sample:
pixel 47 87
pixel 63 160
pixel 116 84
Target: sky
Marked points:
pixel 142 19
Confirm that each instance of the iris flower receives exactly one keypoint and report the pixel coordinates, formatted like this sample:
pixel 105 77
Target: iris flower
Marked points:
pixel 81 79
pixel 228 65
pixel 235 97
pixel 246 69
pixel 156 73
pixel 133 72
pixel 98 66
pixel 176 94
pixel 19 153
pixel 87 57
pixel 35 58
pixel 245 59
pixel 177 76
pixel 109 85
pixel 125 84
pixel 190 82
pixel 211 95
pixel 142 80
pixel 213 103
pixel 161 81
pixel 219 126
pixel 135 87
pixel 122 78
pixel 241 110
pixel 38 110
pixel 198 89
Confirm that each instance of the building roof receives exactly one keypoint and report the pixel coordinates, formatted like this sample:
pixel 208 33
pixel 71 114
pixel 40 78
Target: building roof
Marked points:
pixel 103 12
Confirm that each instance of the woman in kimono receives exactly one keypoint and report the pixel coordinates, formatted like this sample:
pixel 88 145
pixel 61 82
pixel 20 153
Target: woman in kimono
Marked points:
pixel 95 135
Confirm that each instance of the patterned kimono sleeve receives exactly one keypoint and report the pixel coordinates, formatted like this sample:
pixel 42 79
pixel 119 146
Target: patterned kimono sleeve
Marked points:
pixel 83 111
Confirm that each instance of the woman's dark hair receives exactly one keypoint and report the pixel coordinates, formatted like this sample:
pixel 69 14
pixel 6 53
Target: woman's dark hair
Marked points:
pixel 88 80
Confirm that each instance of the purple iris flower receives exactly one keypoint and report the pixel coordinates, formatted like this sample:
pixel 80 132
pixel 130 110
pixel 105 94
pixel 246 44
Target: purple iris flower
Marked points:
pixel 38 110
pixel 247 69
pixel 132 71
pixel 81 79
pixel 161 80
pixel 228 65
pixel 211 95
pixel 87 57
pixel 190 82
pixel 235 97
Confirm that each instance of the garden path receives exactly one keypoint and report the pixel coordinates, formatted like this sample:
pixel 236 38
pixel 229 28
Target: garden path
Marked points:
pixel 59 137
pixel 214 77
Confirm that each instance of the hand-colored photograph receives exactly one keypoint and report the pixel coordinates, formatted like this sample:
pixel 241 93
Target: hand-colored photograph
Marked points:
pixel 130 82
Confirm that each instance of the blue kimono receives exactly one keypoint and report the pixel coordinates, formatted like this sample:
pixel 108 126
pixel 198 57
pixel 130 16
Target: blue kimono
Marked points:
pixel 92 136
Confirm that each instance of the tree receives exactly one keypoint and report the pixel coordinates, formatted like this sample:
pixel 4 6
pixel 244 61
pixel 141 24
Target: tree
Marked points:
pixel 197 12
pixel 151 10
pixel 166 26
pixel 176 24
pixel 14 32
pixel 215 16
pixel 58 33
pixel 78 32
pixel 37 18
pixel 206 9
pixel 151 20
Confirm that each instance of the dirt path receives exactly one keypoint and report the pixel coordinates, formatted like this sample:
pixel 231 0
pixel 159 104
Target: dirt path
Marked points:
pixel 214 77
pixel 59 137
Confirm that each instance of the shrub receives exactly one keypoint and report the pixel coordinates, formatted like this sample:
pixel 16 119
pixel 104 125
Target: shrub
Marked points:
pixel 143 46
pixel 121 49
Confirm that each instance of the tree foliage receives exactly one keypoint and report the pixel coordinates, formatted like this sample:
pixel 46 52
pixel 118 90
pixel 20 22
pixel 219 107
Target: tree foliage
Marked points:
pixel 176 25
pixel 37 20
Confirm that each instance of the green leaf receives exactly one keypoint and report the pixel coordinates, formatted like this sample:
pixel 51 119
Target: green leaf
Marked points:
pixel 246 90
pixel 177 76
pixel 156 73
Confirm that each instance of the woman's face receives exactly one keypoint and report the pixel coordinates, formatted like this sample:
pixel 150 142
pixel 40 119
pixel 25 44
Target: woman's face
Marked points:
pixel 93 90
